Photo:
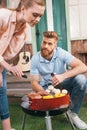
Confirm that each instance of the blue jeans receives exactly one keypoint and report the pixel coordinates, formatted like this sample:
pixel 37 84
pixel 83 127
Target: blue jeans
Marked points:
pixel 4 112
pixel 76 87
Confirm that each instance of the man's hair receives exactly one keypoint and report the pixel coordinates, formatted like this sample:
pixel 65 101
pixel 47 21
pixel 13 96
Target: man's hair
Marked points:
pixel 51 34
pixel 29 3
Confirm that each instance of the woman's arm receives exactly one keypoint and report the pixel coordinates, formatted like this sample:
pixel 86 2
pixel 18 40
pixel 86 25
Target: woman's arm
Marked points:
pixel 16 70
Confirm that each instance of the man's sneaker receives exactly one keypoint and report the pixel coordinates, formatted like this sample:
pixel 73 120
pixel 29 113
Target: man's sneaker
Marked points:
pixel 12 129
pixel 76 120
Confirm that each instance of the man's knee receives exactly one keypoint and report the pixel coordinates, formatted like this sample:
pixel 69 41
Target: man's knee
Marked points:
pixel 81 81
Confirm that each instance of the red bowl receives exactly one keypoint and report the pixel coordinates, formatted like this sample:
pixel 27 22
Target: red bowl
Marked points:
pixel 49 104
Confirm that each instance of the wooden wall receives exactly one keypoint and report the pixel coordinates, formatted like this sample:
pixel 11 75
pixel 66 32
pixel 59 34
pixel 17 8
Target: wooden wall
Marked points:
pixel 79 49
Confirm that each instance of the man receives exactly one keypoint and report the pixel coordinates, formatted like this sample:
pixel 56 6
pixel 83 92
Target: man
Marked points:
pixel 53 59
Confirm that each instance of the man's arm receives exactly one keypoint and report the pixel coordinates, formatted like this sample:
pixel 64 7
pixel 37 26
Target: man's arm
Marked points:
pixel 37 87
pixel 77 67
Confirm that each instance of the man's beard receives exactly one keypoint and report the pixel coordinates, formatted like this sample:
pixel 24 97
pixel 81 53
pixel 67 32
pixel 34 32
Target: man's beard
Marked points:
pixel 46 53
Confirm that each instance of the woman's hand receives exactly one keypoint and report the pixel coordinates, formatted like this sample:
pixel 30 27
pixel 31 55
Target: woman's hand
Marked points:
pixel 16 71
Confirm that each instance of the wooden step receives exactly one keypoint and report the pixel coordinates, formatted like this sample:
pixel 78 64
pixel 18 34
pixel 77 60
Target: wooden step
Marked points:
pixel 18 86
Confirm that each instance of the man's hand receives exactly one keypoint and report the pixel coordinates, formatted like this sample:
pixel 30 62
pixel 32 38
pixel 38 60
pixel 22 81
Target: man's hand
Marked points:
pixel 43 92
pixel 57 79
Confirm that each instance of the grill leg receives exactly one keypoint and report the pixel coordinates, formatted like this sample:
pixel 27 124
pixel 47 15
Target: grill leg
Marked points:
pixel 23 121
pixel 48 121
pixel 70 121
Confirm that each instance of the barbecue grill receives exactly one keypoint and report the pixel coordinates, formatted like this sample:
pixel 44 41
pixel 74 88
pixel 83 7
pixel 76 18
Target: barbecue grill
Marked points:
pixel 46 108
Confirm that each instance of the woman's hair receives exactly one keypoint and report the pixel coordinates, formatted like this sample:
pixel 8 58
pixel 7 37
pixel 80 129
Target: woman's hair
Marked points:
pixel 51 34
pixel 28 3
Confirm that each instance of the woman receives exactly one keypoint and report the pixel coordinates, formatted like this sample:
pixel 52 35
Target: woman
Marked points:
pixel 12 38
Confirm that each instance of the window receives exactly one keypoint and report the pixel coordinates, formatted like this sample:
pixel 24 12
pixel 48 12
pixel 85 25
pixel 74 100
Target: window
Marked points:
pixel 12 3
pixel 78 19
